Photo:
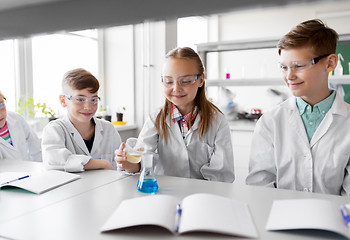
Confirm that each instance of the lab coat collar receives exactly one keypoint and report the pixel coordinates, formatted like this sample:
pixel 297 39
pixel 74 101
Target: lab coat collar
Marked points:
pixel 11 125
pixel 295 120
pixel 339 107
pixel 77 137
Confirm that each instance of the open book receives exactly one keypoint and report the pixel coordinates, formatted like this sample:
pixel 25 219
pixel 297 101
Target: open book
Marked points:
pixel 316 214
pixel 199 212
pixel 36 182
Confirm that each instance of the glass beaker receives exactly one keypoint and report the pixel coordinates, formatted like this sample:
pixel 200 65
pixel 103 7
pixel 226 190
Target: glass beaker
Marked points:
pixel 134 150
pixel 147 182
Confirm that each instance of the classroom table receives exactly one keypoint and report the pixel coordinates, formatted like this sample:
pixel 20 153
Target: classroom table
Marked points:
pixel 16 202
pixel 81 216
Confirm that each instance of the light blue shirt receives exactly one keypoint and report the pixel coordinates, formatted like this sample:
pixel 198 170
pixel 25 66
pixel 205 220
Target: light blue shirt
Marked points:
pixel 313 116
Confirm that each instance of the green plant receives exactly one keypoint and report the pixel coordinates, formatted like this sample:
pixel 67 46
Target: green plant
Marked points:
pixel 46 109
pixel 27 107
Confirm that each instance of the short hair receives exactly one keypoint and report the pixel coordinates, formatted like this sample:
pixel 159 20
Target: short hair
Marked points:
pixel 311 33
pixel 80 79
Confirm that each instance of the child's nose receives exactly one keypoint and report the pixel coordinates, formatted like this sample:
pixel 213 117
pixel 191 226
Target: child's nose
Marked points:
pixel 291 74
pixel 177 86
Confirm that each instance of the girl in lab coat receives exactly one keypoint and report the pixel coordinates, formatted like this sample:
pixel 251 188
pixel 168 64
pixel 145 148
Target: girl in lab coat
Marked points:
pixel 17 140
pixel 189 136
pixel 79 141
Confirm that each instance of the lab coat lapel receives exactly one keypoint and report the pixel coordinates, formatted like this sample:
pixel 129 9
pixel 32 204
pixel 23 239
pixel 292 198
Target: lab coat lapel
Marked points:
pixel 337 108
pixel 295 120
pixel 15 135
pixel 76 136
pixel 98 136
pixel 175 131
pixel 193 129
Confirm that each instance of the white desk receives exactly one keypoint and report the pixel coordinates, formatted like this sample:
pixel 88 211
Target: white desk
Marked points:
pixel 16 202
pixel 81 216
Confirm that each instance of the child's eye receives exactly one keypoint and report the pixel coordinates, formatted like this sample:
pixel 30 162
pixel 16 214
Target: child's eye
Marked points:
pixel 299 66
pixel 94 100
pixel 80 100
pixel 168 81
pixel 284 68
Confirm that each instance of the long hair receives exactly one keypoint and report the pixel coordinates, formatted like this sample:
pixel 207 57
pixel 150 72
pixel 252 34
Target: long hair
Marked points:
pixel 206 110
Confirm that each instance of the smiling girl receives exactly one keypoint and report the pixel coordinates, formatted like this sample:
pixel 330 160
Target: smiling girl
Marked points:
pixel 189 136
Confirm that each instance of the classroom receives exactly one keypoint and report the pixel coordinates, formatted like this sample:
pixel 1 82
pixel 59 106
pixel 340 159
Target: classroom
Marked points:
pixel 89 86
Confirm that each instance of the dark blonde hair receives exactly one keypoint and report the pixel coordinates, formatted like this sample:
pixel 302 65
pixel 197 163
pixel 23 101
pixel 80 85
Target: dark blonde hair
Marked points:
pixel 80 79
pixel 312 33
pixel 206 110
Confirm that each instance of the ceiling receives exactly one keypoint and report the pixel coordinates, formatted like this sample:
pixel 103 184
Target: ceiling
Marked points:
pixel 12 4
pixel 22 18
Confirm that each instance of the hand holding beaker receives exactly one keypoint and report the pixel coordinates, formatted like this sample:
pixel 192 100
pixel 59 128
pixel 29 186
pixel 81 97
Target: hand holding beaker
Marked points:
pixel 134 150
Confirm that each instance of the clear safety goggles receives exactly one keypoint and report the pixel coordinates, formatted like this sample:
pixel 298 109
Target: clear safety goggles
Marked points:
pixel 182 81
pixel 81 100
pixel 299 66
pixel 2 105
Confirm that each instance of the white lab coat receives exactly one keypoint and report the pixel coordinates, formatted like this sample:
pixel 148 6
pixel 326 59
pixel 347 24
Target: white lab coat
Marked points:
pixel 64 148
pixel 209 158
pixel 26 144
pixel 282 157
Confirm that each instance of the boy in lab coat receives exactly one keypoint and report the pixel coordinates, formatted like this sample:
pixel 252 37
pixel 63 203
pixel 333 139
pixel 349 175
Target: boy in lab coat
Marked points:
pixel 304 143
pixel 79 141
pixel 17 140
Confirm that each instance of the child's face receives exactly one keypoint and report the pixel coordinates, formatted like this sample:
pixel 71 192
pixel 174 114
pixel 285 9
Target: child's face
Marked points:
pixel 181 96
pixel 3 112
pixel 81 104
pixel 304 79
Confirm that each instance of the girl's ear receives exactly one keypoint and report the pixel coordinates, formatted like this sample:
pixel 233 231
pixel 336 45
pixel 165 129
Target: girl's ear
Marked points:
pixel 202 77
pixel 332 61
pixel 63 100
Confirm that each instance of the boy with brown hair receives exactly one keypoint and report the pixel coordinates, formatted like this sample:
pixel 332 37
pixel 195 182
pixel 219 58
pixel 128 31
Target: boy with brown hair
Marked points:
pixel 303 143
pixel 79 141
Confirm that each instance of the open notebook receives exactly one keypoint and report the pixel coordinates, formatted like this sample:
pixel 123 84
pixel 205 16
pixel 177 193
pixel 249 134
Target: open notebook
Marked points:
pixel 317 214
pixel 36 182
pixel 198 212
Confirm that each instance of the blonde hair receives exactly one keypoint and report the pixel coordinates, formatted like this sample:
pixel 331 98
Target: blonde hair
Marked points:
pixel 206 110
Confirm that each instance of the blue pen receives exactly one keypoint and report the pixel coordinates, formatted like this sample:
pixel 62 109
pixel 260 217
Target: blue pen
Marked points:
pixel 15 180
pixel 177 217
pixel 345 214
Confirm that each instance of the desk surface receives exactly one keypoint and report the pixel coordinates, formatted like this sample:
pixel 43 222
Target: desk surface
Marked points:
pixel 16 202
pixel 81 215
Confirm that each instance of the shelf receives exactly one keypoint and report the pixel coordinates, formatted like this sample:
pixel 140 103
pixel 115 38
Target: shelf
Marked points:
pixel 245 82
pixel 268 82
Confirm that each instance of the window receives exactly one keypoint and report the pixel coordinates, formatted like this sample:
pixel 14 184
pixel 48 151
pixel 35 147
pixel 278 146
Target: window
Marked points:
pixel 55 54
pixel 8 79
pixel 192 30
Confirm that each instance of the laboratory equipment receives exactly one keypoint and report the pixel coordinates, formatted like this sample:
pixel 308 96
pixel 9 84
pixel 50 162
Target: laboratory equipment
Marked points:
pixel 147 182
pixel 134 150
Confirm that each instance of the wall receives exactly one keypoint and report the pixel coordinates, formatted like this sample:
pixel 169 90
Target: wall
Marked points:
pixel 268 23
pixel 119 70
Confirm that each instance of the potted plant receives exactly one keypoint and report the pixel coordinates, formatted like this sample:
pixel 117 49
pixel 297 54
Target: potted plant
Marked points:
pixel 48 111
pixel 26 107
pixel 120 114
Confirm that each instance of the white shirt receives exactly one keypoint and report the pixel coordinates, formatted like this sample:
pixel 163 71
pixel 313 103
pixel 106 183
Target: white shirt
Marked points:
pixel 26 144
pixel 64 148
pixel 209 158
pixel 282 157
